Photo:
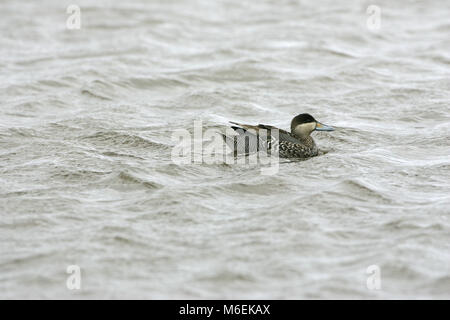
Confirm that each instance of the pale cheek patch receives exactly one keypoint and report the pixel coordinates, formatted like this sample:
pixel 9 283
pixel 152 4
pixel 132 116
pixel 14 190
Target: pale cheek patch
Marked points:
pixel 305 129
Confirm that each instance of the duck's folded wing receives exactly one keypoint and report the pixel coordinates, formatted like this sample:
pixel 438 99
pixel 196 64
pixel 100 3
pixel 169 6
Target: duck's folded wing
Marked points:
pixel 246 141
pixel 283 135
pixel 259 127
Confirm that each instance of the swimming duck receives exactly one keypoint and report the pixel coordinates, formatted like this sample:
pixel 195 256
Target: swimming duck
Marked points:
pixel 295 144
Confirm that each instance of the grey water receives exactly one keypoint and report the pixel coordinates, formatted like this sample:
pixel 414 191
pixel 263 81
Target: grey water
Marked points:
pixel 87 118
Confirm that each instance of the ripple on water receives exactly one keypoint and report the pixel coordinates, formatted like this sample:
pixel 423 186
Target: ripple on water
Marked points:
pixel 122 180
pixel 124 139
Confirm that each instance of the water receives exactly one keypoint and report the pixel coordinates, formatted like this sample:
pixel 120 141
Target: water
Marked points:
pixel 87 179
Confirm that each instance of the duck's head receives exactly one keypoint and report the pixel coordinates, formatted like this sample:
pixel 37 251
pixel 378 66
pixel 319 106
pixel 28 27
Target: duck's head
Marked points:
pixel 303 124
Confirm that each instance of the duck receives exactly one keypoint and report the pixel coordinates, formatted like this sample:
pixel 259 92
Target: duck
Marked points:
pixel 295 144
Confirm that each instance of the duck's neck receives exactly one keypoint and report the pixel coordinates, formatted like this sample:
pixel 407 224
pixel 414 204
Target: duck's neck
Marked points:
pixel 307 140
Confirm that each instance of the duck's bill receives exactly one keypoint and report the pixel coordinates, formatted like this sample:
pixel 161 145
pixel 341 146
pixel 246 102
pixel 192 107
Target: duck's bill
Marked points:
pixel 323 127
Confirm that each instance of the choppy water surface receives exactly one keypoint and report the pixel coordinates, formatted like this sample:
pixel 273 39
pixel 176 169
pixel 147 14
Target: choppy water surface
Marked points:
pixel 86 124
